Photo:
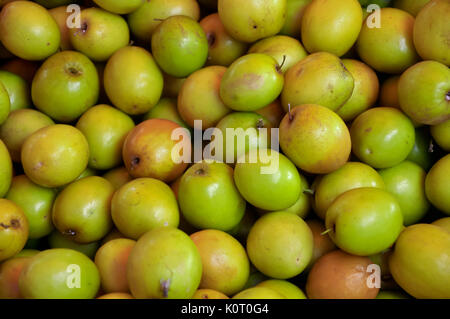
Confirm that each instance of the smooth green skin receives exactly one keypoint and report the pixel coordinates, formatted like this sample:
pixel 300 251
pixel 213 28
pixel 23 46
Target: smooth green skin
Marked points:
pixel 350 176
pixel 423 92
pixel 251 82
pixel 105 129
pixel 208 196
pixel 382 137
pixel 47 275
pixel 82 210
pixel 134 87
pixel 364 221
pixel 225 264
pixel 5 104
pixel 230 152
pixel 252 20
pixel 302 206
pixel 406 181
pixel 331 89
pixel 443 222
pixel 6 169
pixel 285 50
pixel 283 287
pixel 437 184
pixel 118 177
pixel 202 85
pixel 275 190
pixel 259 293
pixel 13 229
pixel 144 204
pixel 147 17
pixel 55 155
pixel 365 92
pixel 441 134
pixel 223 49
pixel 18 90
pixel 28 30
pixel 18 126
pixel 315 139
pixel 27 253
pixel 294 14
pixel 411 6
pixel 419 262
pixel 390 48
pixel 36 202
pixel 420 154
pixel 166 109
pixel 101 34
pixel 119 6
pixel 386 294
pixel 58 240
pixel 430 31
pixel 67 78
pixel 179 46
pixel 164 263
pixel 54 3
pixel 343 23
pixel 280 245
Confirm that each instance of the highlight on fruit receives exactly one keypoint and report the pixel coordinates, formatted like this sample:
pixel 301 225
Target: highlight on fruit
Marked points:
pixel 224 149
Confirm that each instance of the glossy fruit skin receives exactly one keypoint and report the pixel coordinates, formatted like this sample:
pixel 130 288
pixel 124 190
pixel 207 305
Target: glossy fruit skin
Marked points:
pixel 225 264
pixel 28 30
pixel 338 275
pixel 55 155
pixel 48 273
pixel 82 210
pixel 105 129
pixel 223 49
pixel 36 202
pixel 119 7
pixel 273 189
pixel 350 176
pixel 61 15
pixel 179 46
pixel 203 85
pixel 166 109
pixel 443 222
pixel 322 242
pixel 165 263
pixel 254 127
pixel 208 196
pixel 390 48
pixel 430 30
pixel 331 26
pixel 421 247
pixel 101 34
pixel 147 150
pixel 437 184
pixel 411 6
pixel 13 229
pixel 364 221
pixel 18 90
pixel 331 89
pixel 258 293
pixel 118 177
pixel 111 260
pixel 133 87
pixel 441 134
pixel 287 289
pixel 311 147
pixel 382 137
pixel 209 294
pixel 5 104
pixel 9 276
pixel 268 240
pixel 252 20
pixel 295 10
pixel 142 205
pixel 406 181
pixel 423 92
pixel 67 78
pixel 6 169
pixel 285 50
pixel 147 17
pixel 251 82
pixel 365 91
pixel 302 206
pixel 58 240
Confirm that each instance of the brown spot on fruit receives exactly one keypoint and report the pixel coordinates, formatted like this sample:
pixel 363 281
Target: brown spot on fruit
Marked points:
pixel 211 37
pixel 447 96
pixel 135 161
pixel 165 286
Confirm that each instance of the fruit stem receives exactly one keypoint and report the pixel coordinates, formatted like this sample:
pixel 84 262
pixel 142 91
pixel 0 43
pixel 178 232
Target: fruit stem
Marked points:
pixel 289 111
pixel 308 191
pixel 326 231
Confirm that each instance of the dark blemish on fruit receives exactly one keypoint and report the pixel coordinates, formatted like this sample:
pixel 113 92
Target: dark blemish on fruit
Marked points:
pixel 15 223
pixel 447 96
pixel 291 117
pixel 205 296
pixel 70 232
pixel 165 286
pixel 84 27
pixel 73 71
pixel 48 43
pixel 135 161
pixel 200 171
pixel 255 26
pixel 342 64
pixel 211 37
pixel 367 130
pixel 260 123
